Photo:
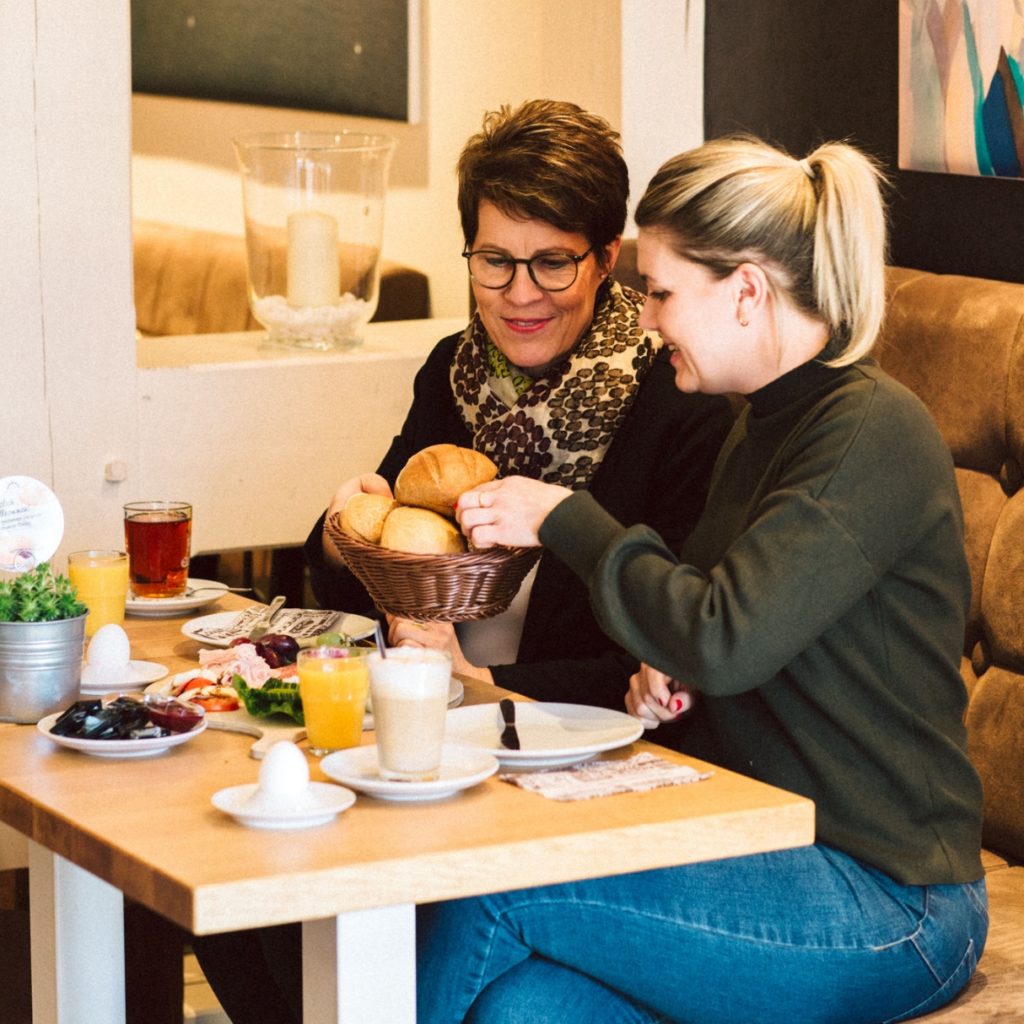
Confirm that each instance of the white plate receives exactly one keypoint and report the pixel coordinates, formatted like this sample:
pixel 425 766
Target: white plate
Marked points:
pixel 156 607
pixel 322 801
pixel 552 735
pixel 138 674
pixel 357 768
pixel 217 629
pixel 118 748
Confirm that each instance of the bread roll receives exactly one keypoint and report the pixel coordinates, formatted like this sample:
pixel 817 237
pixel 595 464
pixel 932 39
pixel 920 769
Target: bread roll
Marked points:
pixel 363 515
pixel 420 532
pixel 434 477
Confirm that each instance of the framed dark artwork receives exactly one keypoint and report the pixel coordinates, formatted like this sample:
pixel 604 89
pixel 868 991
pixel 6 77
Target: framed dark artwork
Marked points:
pixel 356 57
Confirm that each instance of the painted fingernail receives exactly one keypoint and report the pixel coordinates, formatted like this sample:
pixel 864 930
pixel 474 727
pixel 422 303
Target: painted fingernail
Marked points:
pixel 676 705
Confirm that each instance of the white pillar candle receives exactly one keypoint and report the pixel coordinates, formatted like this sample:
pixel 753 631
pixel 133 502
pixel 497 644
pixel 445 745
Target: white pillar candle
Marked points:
pixel 313 269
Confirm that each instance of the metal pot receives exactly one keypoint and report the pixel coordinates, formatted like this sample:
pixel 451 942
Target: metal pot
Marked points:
pixel 40 667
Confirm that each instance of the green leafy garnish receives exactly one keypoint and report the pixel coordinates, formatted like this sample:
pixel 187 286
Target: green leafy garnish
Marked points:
pixel 274 697
pixel 39 595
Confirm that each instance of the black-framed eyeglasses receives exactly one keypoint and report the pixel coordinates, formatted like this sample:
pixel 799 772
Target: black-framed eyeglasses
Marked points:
pixel 551 272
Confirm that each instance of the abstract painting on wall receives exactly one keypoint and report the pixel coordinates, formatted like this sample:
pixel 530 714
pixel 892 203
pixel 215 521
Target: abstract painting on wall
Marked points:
pixel 961 86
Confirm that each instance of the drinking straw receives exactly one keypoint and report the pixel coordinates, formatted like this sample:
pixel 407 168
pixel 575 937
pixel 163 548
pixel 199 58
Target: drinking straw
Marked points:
pixel 378 634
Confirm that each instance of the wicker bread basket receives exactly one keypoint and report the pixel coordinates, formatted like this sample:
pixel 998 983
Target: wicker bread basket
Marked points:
pixel 435 588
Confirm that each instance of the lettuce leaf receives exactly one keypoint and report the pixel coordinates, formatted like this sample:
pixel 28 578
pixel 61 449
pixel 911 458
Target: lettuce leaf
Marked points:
pixel 274 697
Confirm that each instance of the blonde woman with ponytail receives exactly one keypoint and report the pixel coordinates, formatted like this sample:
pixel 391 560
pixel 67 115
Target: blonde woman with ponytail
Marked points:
pixel 807 633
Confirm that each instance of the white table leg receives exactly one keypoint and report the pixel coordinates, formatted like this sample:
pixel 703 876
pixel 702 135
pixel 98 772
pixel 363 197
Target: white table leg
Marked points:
pixel 360 967
pixel 77 938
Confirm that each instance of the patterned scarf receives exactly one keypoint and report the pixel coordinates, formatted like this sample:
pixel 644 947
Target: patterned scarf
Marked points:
pixel 558 427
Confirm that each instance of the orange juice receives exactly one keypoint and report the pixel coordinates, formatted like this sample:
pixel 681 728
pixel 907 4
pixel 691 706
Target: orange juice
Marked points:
pixel 101 579
pixel 333 683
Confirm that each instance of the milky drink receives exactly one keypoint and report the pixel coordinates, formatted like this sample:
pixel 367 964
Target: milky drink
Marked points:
pixel 409 691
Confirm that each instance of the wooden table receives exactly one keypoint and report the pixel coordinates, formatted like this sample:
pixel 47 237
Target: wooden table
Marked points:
pixel 145 828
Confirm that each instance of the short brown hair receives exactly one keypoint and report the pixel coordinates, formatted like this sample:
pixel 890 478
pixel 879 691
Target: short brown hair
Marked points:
pixel 547 160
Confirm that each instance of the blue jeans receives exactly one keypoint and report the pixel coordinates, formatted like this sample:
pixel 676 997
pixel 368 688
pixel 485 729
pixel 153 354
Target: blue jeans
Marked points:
pixel 808 935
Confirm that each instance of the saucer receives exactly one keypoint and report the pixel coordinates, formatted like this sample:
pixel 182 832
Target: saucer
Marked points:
pixel 357 768
pixel 138 674
pixel 208 591
pixel 320 803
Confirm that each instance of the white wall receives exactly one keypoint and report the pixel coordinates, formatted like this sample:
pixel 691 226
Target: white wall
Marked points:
pixel 662 84
pixel 65 265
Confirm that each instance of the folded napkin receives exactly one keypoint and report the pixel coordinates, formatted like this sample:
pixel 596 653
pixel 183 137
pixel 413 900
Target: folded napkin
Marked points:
pixel 297 622
pixel 604 778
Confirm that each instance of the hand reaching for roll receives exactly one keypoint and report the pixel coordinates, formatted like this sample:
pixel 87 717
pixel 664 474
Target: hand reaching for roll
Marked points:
pixel 508 512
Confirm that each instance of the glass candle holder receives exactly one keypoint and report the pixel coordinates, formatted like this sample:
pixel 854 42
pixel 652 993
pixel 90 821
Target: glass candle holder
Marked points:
pixel 314 220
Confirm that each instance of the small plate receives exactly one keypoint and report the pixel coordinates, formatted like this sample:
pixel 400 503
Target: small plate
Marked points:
pixel 158 607
pixel 323 801
pixel 139 673
pixel 118 748
pixel 219 628
pixel 552 735
pixel 357 768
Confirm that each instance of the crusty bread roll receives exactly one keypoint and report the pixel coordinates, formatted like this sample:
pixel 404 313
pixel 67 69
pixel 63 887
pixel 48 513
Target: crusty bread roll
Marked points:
pixel 434 477
pixel 421 532
pixel 363 515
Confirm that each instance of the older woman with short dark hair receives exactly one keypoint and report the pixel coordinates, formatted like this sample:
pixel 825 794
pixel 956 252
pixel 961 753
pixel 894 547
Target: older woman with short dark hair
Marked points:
pixel 553 379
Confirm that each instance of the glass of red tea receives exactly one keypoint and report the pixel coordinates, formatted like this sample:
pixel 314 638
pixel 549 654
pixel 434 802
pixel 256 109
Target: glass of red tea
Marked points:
pixel 158 536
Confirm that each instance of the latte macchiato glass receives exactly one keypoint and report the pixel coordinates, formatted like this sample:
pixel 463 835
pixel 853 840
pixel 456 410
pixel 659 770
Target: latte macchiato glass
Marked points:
pixel 409 693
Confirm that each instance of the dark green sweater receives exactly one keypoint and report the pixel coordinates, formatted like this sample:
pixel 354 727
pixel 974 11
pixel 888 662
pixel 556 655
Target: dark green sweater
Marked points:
pixel 819 609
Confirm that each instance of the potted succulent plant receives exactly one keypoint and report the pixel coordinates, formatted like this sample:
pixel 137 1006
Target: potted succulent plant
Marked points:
pixel 42 639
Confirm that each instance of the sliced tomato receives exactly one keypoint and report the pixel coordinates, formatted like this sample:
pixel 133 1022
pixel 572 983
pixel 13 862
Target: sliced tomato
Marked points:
pixel 217 703
pixel 195 683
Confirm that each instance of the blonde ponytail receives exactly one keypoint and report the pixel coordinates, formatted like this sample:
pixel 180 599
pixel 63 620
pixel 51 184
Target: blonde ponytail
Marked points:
pixel 816 226
pixel 849 247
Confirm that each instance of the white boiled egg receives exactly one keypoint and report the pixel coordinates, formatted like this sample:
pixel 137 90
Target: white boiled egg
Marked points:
pixel 284 772
pixel 109 648
pixel 107 658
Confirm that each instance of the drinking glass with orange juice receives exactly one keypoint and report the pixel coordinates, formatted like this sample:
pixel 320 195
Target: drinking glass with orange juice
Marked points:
pixel 333 684
pixel 101 579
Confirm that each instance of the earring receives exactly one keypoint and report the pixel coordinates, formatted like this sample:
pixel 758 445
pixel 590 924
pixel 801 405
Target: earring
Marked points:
pixel 742 319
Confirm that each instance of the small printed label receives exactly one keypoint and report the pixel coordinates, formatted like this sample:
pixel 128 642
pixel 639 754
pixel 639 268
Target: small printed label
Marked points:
pixel 31 523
